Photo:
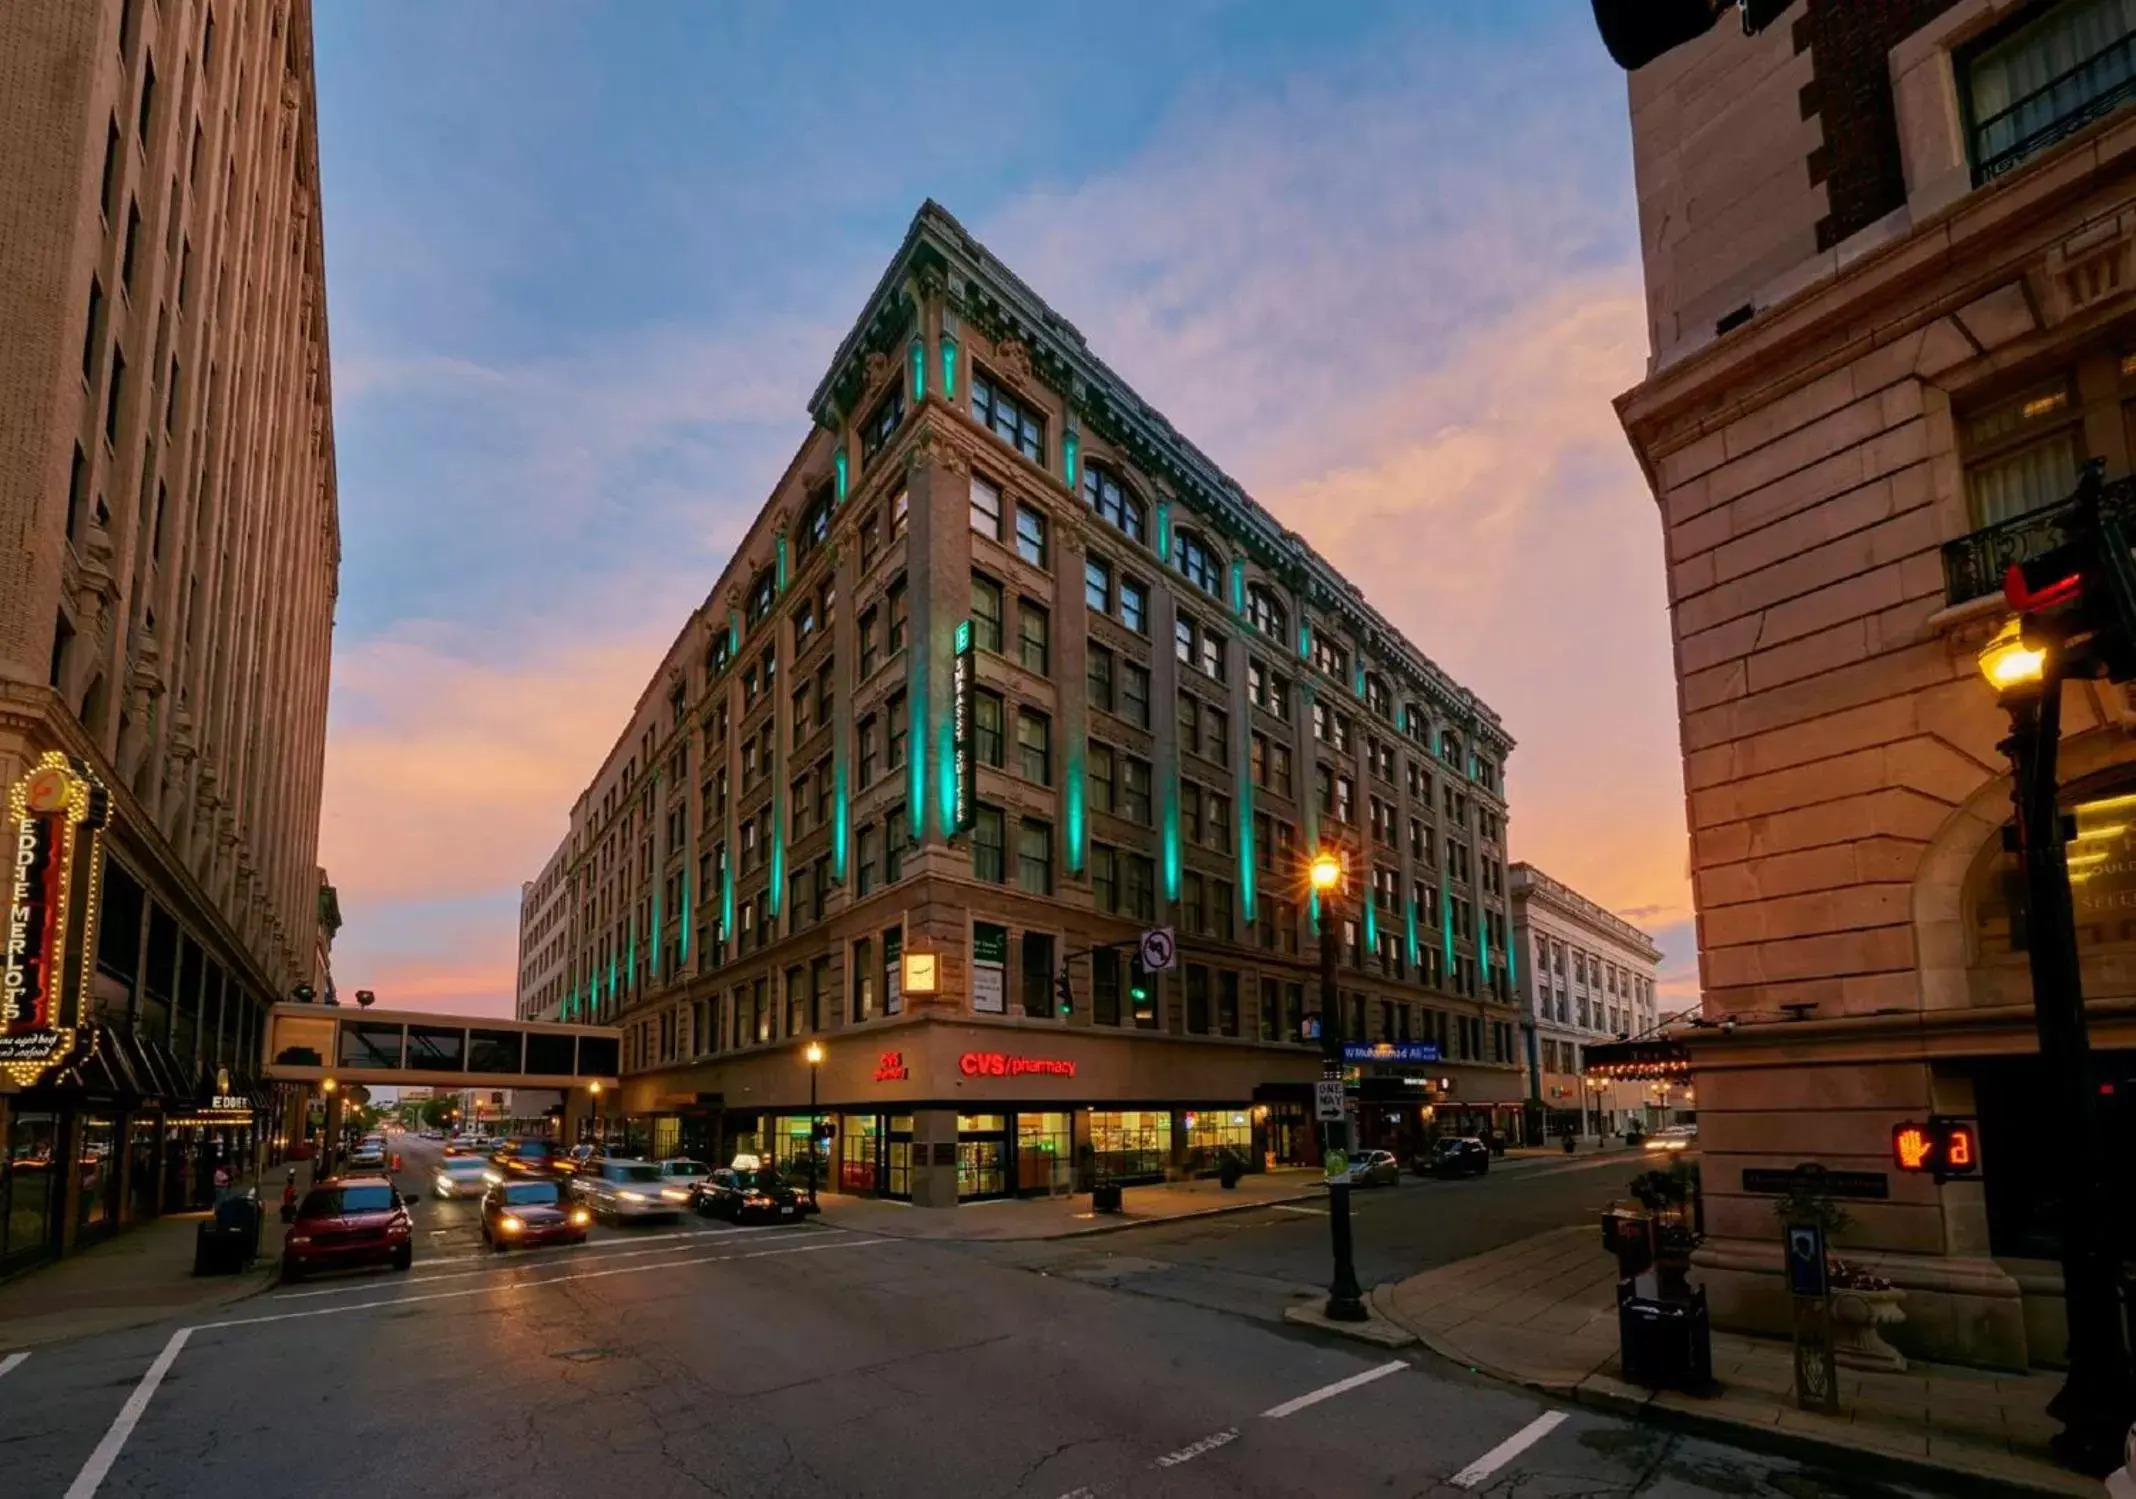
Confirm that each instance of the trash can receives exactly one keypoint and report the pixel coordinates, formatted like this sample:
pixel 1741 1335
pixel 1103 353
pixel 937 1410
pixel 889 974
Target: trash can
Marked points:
pixel 1665 1343
pixel 227 1242
pixel 1229 1170
pixel 1105 1197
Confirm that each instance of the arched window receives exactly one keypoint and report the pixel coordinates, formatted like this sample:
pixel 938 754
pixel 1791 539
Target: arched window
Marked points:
pixel 815 524
pixel 1376 696
pixel 1267 614
pixel 1115 502
pixel 1191 555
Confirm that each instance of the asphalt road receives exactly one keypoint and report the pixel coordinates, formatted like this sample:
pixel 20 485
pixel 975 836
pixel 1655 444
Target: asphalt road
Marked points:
pixel 813 1361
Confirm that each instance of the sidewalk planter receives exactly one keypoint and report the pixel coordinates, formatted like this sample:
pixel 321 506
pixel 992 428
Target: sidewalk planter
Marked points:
pixel 1857 1317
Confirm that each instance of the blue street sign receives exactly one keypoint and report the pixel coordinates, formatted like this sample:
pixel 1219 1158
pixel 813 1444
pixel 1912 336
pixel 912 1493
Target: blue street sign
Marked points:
pixel 1390 1051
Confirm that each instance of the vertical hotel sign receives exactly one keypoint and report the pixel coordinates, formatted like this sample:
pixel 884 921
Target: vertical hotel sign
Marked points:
pixel 51 810
pixel 964 703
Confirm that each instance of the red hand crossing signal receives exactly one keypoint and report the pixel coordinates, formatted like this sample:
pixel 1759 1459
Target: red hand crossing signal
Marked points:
pixel 1944 1147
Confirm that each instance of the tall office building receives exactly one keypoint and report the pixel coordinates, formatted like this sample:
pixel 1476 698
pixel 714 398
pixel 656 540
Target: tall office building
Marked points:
pixel 544 942
pixel 1890 252
pixel 167 599
pixel 1004 674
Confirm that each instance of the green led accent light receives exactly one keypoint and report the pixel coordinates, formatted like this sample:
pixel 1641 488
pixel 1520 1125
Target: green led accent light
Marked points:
pixel 778 847
pixel 946 775
pixel 1171 837
pixel 1078 819
pixel 1371 926
pixel 1446 927
pixel 726 896
pixel 734 637
pixel 1164 530
pixel 1416 951
pixel 1483 960
pixel 919 371
pixel 916 763
pixel 949 368
pixel 652 951
pixel 1247 871
pixel 841 816
pixel 780 579
pixel 1357 679
pixel 1305 640
pixel 611 978
pixel 630 966
pixel 1312 914
pixel 1071 445
pixel 839 464
pixel 1238 588
pixel 685 953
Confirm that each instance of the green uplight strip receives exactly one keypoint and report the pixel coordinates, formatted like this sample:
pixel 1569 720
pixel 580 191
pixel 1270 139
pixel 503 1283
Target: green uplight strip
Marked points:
pixel 1305 639
pixel 685 951
pixel 1446 927
pixel 916 765
pixel 611 978
pixel 1372 926
pixel 1415 950
pixel 778 848
pixel 838 471
pixel 841 816
pixel 734 636
pixel 1357 679
pixel 1071 445
pixel 1483 961
pixel 652 951
pixel 1238 589
pixel 1312 915
pixel 780 578
pixel 726 896
pixel 1164 530
pixel 1078 819
pixel 1247 871
pixel 919 371
pixel 1171 837
pixel 630 965
pixel 949 368
pixel 1512 969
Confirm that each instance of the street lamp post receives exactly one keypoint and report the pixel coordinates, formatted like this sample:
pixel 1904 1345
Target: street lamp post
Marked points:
pixel 2094 1403
pixel 815 1126
pixel 1345 1299
pixel 595 1089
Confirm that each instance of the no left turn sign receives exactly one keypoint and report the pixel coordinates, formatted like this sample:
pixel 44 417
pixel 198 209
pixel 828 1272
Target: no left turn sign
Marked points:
pixel 1159 948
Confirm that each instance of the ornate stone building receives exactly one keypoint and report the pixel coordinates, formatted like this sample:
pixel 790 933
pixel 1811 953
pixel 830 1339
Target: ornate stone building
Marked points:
pixel 167 598
pixel 1005 673
pixel 1889 269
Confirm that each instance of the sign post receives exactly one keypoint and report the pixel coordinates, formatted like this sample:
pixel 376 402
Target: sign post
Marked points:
pixel 1810 1293
pixel 1159 949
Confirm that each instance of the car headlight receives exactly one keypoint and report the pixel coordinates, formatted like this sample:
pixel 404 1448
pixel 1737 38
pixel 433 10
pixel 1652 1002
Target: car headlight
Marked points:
pixel 299 1241
pixel 492 1177
pixel 580 1218
pixel 629 1196
pixel 510 1224
pixel 674 1194
pixel 444 1183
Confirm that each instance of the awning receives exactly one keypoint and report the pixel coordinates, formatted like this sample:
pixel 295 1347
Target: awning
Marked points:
pixel 1657 1059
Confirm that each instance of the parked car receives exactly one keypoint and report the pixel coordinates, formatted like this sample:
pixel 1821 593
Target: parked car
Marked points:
pixel 349 1220
pixel 368 1157
pixel 1458 1155
pixel 1673 1137
pixel 1375 1168
pixel 625 1190
pixel 677 1175
pixel 462 1176
pixel 744 1197
pixel 531 1212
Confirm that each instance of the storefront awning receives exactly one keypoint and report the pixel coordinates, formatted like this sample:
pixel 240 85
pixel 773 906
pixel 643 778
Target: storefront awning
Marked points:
pixel 1655 1059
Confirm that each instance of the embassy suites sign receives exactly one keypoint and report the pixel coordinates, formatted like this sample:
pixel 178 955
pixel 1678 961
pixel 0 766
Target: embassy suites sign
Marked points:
pixel 51 810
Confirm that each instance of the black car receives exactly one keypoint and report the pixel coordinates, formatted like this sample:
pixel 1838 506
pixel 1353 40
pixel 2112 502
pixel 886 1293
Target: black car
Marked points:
pixel 529 1158
pixel 1458 1156
pixel 746 1197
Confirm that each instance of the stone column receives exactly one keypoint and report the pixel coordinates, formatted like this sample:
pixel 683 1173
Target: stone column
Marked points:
pixel 934 1186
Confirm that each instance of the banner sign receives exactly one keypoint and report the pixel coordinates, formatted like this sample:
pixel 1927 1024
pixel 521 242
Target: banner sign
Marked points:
pixel 990 961
pixel 964 703
pixel 41 1004
pixel 1390 1051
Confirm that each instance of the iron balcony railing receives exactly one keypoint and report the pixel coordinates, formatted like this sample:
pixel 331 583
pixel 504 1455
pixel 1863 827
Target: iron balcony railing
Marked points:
pixel 2059 108
pixel 1973 565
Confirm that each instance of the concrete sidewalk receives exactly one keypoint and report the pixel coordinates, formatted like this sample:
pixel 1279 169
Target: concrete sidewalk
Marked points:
pixel 1543 1313
pixel 1070 1217
pixel 141 1276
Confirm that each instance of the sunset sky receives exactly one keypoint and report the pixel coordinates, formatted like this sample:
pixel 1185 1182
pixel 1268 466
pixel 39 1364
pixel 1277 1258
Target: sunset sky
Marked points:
pixel 586 261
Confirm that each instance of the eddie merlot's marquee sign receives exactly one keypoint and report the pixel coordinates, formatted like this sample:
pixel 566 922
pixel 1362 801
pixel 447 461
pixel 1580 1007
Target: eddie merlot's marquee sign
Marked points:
pixel 41 1005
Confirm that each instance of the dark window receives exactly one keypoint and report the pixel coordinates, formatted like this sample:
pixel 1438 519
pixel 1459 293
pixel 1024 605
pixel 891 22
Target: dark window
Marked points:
pixel 1113 501
pixel 1196 563
pixel 988 853
pixel 1105 986
pixel 133 241
pixel 370 1046
pixel 1007 418
pixel 148 97
pixel 493 1051
pixel 882 423
pixel 112 395
pixel 1034 637
pixel 1034 857
pixel 1030 536
pixel 548 1055
pixel 111 168
pixel 93 333
pixel 436 1048
pixel 986 613
pixel 2028 88
pixel 1038 1000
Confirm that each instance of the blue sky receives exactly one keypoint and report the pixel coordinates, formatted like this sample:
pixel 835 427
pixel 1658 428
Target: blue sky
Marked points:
pixel 586 261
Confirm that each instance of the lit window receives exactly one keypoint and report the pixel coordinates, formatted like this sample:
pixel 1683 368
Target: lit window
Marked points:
pixel 986 508
pixel 1030 536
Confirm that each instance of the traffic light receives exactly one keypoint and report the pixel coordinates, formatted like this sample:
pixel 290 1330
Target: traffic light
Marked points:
pixel 1638 31
pixel 1064 997
pixel 1141 991
pixel 1941 1147
pixel 2078 599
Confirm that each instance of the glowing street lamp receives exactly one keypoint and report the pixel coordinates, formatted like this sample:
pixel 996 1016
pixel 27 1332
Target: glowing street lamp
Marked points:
pixel 815 1124
pixel 2010 664
pixel 1345 1297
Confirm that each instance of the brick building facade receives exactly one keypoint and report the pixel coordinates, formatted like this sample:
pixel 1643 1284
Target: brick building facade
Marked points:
pixel 1888 256
pixel 1004 673
pixel 167 598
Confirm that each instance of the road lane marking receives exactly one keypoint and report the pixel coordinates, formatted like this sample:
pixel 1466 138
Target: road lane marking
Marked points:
pixel 122 1425
pixel 528 1285
pixel 1330 1391
pixel 12 1361
pixel 1512 1447
pixel 1286 1207
pixel 520 1260
pixel 1192 1450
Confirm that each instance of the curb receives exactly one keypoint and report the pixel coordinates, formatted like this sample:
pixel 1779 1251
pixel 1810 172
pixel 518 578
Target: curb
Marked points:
pixel 1756 1436
pixel 1124 1226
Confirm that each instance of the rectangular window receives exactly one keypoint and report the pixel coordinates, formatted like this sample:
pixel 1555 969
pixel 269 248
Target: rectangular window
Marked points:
pixel 869 739
pixel 2044 81
pixel 133 239
pixel 894 737
pixel 1105 986
pixel 1216 735
pixel 1030 536
pixel 988 725
pixel 1141 887
pixel 895 838
pixel 1135 693
pixel 112 395
pixel 1105 878
pixel 1101 778
pixel 864 860
pixel 1034 635
pixel 1193 910
pixel 2022 454
pixel 1007 418
pixel 1037 971
pixel 986 508
pixel 1220 913
pixel 988 853
pixel 1034 746
pixel 986 613
pixel 894 609
pixel 1034 857
pixel 148 98
pixel 1197 1000
pixel 863 971
pixel 882 423
pixel 1098 667
pixel 1134 606
pixel 1097 585
pixel 111 169
pixel 1227 1003
pixel 1135 789
pixel 93 334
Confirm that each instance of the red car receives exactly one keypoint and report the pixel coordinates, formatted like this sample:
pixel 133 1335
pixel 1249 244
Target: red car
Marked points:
pixel 349 1220
pixel 531 1212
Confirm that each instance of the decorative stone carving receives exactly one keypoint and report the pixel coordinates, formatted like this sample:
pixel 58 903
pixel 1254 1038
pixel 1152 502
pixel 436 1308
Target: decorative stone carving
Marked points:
pixel 876 369
pixel 930 449
pixel 1012 358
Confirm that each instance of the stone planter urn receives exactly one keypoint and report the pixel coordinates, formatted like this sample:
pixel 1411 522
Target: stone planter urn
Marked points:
pixel 1857 1317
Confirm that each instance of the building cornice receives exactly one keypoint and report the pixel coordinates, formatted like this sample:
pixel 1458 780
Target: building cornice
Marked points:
pixel 1528 887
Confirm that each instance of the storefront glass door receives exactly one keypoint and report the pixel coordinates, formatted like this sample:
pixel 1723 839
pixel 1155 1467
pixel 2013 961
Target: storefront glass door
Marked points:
pixel 982 1156
pixel 1042 1163
pixel 99 1167
pixel 897 1181
pixel 1211 1132
pixel 859 1152
pixel 1131 1145
pixel 29 1188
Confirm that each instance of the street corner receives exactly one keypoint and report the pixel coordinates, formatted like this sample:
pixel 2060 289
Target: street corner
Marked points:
pixel 1372 1328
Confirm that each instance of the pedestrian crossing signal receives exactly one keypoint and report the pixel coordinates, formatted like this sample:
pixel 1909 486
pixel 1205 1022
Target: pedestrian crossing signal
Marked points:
pixel 1941 1147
